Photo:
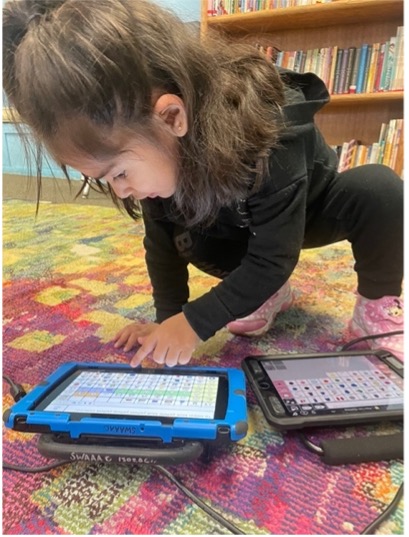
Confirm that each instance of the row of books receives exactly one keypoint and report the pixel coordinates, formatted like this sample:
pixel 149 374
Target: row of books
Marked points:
pixel 387 150
pixel 366 69
pixel 228 7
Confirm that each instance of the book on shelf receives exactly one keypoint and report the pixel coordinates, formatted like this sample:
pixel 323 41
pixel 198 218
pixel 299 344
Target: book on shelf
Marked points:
pixel 397 72
pixel 379 67
pixel 397 145
pixel 349 69
pixel 339 85
pixel 361 68
pixel 354 74
pixel 228 7
pixel 388 150
pixel 389 63
pixel 347 155
pixel 372 67
pixel 330 82
pixel 369 87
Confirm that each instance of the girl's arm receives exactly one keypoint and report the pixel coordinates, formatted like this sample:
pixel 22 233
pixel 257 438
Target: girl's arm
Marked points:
pixel 173 340
pixel 167 270
pixel 278 214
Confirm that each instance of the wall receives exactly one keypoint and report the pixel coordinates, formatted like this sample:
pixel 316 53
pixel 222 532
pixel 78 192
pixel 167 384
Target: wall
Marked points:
pixel 187 10
pixel 14 160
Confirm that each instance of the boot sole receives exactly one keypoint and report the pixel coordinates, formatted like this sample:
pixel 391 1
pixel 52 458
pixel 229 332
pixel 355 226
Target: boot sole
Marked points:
pixel 261 331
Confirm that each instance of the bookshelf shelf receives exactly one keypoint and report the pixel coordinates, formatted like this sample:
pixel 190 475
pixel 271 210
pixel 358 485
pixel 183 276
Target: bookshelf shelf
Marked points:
pixel 338 12
pixel 366 98
pixel 340 23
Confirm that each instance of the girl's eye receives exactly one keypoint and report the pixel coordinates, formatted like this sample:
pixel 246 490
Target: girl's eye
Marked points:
pixel 122 175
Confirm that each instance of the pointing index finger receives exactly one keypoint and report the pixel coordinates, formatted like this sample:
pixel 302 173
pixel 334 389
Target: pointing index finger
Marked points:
pixel 146 348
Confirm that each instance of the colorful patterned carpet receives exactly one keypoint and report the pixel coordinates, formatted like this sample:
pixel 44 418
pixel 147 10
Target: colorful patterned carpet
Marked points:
pixel 72 278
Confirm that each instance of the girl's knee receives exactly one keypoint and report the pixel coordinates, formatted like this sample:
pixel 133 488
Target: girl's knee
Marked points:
pixel 375 181
pixel 385 173
pixel 387 185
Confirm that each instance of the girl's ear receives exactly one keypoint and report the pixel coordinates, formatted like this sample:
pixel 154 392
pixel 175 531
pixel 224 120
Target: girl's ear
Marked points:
pixel 171 110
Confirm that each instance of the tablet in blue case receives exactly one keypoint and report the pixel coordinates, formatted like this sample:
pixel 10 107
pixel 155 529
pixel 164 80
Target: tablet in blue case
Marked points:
pixel 115 401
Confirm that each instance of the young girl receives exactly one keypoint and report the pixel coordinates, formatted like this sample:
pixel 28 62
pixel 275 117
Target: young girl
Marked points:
pixel 219 150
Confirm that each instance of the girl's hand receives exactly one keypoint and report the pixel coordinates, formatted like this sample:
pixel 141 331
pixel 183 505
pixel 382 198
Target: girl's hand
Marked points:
pixel 171 342
pixel 129 336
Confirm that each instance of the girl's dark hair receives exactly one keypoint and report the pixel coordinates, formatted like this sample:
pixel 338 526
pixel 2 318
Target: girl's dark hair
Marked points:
pixel 95 64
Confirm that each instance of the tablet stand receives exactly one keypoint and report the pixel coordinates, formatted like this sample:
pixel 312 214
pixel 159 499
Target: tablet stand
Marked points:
pixel 121 451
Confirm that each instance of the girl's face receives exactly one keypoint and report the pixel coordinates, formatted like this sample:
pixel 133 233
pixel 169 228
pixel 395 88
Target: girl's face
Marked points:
pixel 140 170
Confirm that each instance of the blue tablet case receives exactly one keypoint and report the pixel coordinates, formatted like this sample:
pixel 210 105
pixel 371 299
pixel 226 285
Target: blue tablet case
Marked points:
pixel 232 427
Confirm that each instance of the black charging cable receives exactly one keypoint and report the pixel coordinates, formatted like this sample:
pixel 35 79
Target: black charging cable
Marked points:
pixel 17 391
pixel 370 529
pixel 37 470
pixel 200 503
pixel 206 508
pixel 392 445
pixel 372 336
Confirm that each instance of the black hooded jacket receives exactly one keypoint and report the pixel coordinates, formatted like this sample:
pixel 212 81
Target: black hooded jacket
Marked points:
pixel 270 231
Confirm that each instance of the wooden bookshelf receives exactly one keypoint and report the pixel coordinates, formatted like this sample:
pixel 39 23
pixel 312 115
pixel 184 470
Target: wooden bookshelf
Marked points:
pixel 366 98
pixel 344 23
pixel 338 12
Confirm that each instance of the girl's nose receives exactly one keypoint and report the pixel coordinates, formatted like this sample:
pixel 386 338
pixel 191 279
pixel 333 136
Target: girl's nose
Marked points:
pixel 122 191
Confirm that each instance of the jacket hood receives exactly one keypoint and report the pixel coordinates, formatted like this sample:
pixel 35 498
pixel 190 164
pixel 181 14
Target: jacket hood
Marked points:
pixel 305 95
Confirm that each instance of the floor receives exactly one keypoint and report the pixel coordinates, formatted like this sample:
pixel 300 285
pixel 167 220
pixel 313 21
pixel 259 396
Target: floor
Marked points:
pixel 52 190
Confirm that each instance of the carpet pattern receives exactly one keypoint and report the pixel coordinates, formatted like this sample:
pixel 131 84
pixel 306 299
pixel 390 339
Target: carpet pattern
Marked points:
pixel 72 278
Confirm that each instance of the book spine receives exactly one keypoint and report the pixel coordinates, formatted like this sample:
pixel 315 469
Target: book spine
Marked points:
pixel 384 67
pixel 397 74
pixel 297 61
pixel 379 67
pixel 285 59
pixel 361 68
pixel 358 155
pixel 389 142
pixel 372 68
pixel 366 68
pixel 314 60
pixel 374 153
pixel 308 60
pixel 350 153
pixel 382 136
pixel 334 55
pixel 349 67
pixel 340 54
pixel 354 75
pixel 327 65
pixel 396 142
pixel 347 155
pixel 303 60
pixel 344 149
pixel 290 60
pixel 364 155
pixel 390 59
pixel 400 154
pixel 320 62
pixel 343 72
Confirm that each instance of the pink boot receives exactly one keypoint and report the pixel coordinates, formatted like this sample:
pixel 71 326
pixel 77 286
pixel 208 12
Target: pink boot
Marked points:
pixel 259 322
pixel 378 316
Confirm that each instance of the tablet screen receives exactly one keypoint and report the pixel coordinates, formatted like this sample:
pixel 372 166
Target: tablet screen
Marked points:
pixel 129 394
pixel 335 385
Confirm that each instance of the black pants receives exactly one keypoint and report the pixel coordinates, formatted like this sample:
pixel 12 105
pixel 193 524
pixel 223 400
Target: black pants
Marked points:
pixel 363 205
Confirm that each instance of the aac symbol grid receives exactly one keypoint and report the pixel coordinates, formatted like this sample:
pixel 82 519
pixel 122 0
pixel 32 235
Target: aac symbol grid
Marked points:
pixel 308 396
